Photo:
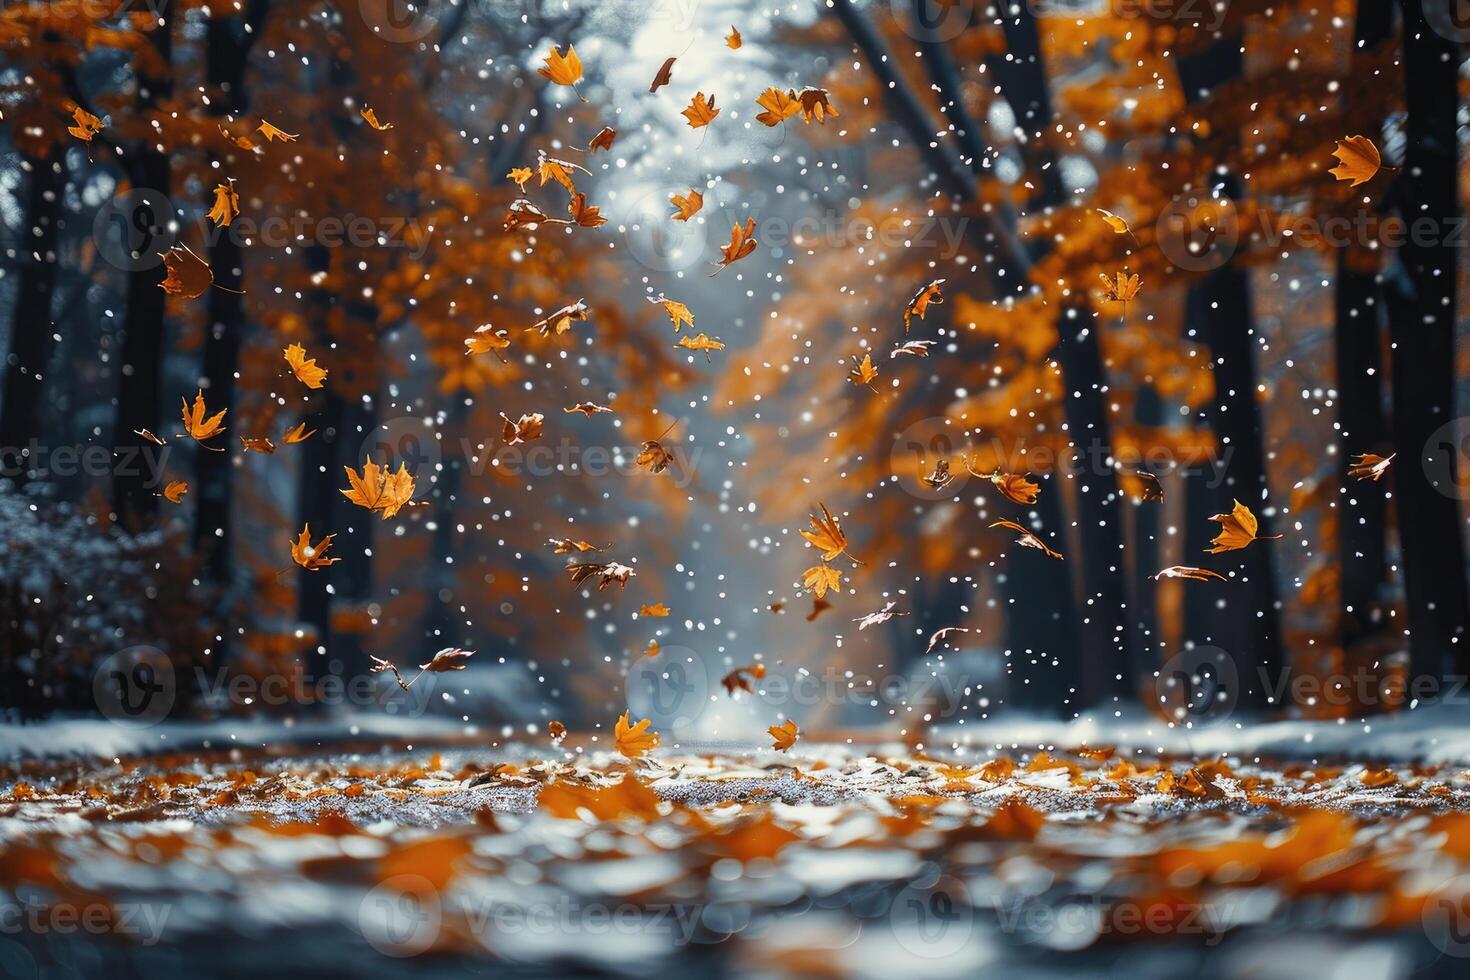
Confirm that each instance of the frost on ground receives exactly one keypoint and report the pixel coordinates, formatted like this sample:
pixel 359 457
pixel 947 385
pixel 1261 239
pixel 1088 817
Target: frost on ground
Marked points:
pixel 828 861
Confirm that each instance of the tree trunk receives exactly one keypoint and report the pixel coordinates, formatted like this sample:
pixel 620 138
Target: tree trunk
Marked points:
pixel 139 394
pixel 31 323
pixel 1219 308
pixel 1421 298
pixel 1362 510
pixel 228 46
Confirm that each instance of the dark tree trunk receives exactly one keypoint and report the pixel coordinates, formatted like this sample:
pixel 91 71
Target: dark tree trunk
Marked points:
pixel 1362 510
pixel 228 44
pixel 442 620
pixel 1109 660
pixel 1421 300
pixel 139 392
pixel 319 485
pixel 1219 309
pixel 31 323
pixel 1041 617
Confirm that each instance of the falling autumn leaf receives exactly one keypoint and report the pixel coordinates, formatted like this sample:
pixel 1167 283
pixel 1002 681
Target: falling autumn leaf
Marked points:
pixel 1189 572
pixel 913 348
pixel 827 536
pixel 779 106
pixel 1237 529
pixel 1013 486
pixel 311 556
pixel 378 489
pixel 815 105
pixel 686 205
pixel 550 168
pixel 739 679
pixel 588 409
pixel 665 75
pixel 1121 288
pixel 678 312
pixel 1358 158
pixel 605 572
pixel 821 579
pixel 1027 539
pixel 175 491
pixel 634 740
pixel 702 342
pixel 922 300
pixel 652 649
pixel 560 321
pixel 305 369
pixel 271 133
pixel 521 175
pixel 603 140
pixel 942 635
pixel 583 214
pixel 257 444
pixel 701 110
pixel 1119 226
pixel 150 437
pixel 188 275
pixel 1367 466
pixel 556 731
pixel 732 40
pixel 371 118
pixel 447 659
pixel 653 455
pixel 563 546
pixel 939 478
pixel 783 736
pixel 563 69
pixel 523 214
pixel 522 430
pixel 199 427
pixel 1152 489
pixel 297 433
pixel 864 372
pixel 656 609
pixel 85 125
pixel 880 617
pixel 487 339
pixel 742 243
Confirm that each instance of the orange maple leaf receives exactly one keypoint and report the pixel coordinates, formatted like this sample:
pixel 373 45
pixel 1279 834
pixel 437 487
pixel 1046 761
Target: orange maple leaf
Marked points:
pixel 784 736
pixel 311 556
pixel 701 110
pixel 305 369
pixel 634 740
pixel 1237 529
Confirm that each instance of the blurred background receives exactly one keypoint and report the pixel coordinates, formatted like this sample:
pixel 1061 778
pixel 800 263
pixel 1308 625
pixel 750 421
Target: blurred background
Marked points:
pixel 1285 322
